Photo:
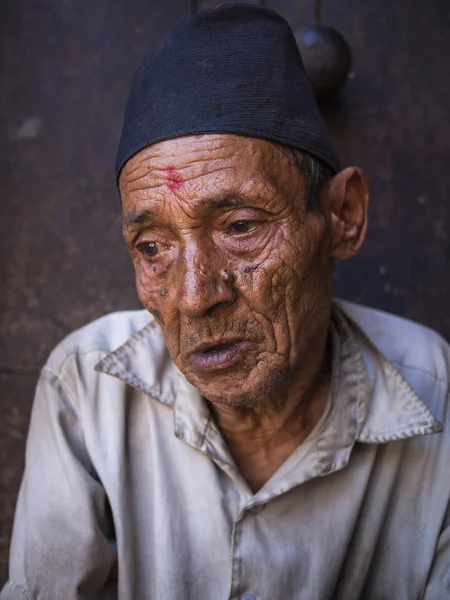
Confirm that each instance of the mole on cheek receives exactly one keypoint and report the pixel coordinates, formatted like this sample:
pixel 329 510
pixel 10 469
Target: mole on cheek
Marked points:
pixel 164 292
pixel 174 179
pixel 251 268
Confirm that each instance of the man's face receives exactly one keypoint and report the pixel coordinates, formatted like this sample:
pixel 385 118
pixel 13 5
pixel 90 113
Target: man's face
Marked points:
pixel 228 259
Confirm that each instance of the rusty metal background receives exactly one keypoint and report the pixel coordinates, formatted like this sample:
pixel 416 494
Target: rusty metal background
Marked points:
pixel 65 68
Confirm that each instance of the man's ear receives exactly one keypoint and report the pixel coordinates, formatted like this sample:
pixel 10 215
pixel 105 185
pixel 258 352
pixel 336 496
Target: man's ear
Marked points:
pixel 346 197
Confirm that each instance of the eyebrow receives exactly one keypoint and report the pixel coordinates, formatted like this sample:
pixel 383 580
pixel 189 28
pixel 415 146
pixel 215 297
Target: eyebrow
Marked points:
pixel 132 220
pixel 230 201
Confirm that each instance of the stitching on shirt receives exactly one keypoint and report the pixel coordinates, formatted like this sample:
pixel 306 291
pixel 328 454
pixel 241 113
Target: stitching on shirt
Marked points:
pixel 406 431
pixel 390 364
pixel 63 384
pixel 138 335
pixel 420 370
pixel 74 355
pixel 77 410
pixel 135 382
pixel 110 362
pixel 236 563
pixel 432 425
pixel 395 435
pixel 131 379
pixel 423 408
pixel 374 346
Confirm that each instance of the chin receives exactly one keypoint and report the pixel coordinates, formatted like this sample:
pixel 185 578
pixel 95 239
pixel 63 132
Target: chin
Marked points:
pixel 240 392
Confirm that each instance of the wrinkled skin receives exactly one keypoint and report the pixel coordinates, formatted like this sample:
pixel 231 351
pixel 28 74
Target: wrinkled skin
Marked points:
pixel 224 248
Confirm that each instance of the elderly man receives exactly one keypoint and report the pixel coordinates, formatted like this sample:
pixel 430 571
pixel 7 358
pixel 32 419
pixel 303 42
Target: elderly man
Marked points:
pixel 251 439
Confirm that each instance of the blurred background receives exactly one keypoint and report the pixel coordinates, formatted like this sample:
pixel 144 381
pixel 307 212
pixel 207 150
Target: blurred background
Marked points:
pixel 65 69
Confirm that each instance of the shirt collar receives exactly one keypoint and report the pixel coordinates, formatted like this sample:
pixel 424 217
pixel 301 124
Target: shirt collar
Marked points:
pixel 392 409
pixel 368 405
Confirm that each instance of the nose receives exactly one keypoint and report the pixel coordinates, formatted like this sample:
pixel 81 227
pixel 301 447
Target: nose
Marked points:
pixel 201 285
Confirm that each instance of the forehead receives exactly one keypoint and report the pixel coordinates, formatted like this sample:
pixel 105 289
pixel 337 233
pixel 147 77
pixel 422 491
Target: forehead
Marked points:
pixel 204 144
pixel 189 180
pixel 187 161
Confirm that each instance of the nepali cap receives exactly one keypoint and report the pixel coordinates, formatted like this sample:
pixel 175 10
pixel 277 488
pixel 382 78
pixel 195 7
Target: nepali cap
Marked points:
pixel 234 69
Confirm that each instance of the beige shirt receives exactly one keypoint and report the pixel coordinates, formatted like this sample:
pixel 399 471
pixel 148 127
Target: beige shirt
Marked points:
pixel 130 492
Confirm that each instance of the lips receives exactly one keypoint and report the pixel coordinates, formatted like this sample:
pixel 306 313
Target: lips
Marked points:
pixel 216 356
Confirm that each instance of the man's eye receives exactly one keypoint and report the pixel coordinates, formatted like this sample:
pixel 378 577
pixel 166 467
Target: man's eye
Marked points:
pixel 148 248
pixel 241 227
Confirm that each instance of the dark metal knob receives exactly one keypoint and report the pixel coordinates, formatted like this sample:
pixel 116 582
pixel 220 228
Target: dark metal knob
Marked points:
pixel 327 59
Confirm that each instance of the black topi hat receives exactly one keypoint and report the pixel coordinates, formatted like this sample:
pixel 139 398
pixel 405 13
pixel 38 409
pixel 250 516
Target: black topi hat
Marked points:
pixel 234 69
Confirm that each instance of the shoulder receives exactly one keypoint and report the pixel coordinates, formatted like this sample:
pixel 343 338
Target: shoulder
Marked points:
pixel 98 338
pixel 404 343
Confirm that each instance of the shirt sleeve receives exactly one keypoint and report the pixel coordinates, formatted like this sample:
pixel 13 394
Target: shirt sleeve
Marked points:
pixel 438 585
pixel 63 539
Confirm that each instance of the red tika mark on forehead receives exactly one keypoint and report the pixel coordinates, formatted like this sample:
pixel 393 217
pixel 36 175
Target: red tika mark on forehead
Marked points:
pixel 174 179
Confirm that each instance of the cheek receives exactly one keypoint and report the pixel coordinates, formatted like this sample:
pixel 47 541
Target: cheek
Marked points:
pixel 152 288
pixel 270 287
pixel 277 278
pixel 286 286
pixel 156 296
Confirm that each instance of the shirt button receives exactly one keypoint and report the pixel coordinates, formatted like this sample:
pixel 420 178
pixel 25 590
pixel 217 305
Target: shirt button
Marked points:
pixel 255 510
pixel 248 596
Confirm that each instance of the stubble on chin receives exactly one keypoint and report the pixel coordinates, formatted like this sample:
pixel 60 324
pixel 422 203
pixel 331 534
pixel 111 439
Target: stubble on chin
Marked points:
pixel 248 398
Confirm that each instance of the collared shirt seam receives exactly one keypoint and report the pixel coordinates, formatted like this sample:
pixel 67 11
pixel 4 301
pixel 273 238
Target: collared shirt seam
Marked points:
pixel 403 433
pixel 391 363
pixel 399 431
pixel 109 358
pixel 234 535
pixel 112 368
pixel 420 370
pixel 137 383
pixel 75 407
pixel 423 408
pixel 432 424
pixel 63 384
pixel 399 435
pixel 138 335
pixel 73 355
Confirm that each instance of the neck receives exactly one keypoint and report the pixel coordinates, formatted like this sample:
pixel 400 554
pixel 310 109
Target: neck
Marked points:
pixel 261 436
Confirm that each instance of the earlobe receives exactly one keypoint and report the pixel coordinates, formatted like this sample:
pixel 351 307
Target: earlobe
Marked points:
pixel 347 199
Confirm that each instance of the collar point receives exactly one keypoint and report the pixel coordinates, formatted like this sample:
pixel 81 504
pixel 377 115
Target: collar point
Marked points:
pixel 400 434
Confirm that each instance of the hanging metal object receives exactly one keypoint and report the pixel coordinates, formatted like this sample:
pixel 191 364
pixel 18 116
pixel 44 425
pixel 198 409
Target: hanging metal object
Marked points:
pixel 326 55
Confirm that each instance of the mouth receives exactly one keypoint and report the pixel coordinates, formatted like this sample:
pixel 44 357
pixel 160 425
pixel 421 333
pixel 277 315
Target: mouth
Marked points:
pixel 217 356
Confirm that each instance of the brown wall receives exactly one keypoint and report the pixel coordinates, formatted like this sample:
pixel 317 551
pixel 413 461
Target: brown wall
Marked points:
pixel 65 69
